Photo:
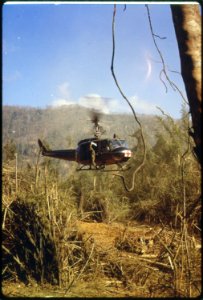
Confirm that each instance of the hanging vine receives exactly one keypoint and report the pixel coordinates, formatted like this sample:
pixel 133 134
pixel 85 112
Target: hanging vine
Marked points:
pixel 129 189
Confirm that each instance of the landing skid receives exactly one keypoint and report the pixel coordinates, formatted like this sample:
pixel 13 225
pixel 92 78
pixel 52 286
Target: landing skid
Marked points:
pixel 102 168
pixel 90 168
pixel 123 168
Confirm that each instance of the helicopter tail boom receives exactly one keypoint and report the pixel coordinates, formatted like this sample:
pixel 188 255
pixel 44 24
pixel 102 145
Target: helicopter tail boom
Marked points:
pixel 61 154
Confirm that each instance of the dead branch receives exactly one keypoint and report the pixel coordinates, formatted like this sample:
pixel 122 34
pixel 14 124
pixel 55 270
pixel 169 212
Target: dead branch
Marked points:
pixel 81 271
pixel 5 213
pixel 157 264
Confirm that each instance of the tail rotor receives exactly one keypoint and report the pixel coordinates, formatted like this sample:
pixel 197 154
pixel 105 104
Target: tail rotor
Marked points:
pixel 42 147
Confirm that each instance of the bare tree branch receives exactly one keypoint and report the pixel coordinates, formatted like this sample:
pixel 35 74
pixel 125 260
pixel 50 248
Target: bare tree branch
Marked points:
pixel 164 69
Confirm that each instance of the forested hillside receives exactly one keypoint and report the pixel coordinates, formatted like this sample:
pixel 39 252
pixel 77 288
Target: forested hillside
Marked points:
pixel 63 127
pixel 70 229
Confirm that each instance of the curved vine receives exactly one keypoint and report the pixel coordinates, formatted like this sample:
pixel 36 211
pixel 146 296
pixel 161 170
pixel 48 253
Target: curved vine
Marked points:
pixel 128 189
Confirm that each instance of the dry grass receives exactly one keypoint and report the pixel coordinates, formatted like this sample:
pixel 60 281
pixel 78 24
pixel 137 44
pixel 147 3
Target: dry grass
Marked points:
pixel 113 267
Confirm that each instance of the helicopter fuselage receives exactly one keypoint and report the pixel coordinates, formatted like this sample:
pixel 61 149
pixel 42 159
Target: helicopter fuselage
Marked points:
pixel 105 152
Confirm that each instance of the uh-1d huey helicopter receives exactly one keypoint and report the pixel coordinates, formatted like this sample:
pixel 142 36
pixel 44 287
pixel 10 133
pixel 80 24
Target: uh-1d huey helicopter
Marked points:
pixel 94 153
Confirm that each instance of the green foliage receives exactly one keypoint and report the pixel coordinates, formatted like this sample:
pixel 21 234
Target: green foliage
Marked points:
pixel 160 187
pixel 98 198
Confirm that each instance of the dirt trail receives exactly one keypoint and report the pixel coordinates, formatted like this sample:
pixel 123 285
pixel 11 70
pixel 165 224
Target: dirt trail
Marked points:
pixel 132 262
pixel 105 235
pixel 125 251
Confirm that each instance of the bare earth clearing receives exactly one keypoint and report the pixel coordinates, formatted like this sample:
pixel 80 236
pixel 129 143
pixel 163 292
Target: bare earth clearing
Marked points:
pixel 128 260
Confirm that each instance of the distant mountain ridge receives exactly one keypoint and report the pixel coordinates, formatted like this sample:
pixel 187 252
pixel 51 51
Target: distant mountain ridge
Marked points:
pixel 62 127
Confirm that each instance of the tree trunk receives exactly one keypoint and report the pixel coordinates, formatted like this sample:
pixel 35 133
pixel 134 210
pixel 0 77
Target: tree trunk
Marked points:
pixel 187 24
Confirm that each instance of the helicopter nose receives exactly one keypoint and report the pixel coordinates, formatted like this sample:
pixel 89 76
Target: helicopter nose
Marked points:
pixel 127 153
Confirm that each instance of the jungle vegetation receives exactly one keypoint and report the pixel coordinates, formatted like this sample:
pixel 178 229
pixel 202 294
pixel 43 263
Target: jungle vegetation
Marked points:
pixel 43 199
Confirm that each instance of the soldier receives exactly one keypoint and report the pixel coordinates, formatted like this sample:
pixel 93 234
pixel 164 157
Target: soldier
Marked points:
pixel 92 154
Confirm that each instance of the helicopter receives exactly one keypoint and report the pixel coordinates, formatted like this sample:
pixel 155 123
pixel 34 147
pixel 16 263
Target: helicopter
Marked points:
pixel 94 153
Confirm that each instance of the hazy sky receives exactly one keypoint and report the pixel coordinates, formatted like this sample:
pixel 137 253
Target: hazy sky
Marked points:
pixel 56 54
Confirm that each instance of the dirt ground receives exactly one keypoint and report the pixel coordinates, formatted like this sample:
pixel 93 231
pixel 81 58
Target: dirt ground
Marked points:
pixel 131 259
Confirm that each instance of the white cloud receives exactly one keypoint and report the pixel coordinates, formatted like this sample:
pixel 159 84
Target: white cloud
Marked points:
pixel 110 105
pixel 97 102
pixel 103 104
pixel 92 101
pixel 63 98
pixel 60 102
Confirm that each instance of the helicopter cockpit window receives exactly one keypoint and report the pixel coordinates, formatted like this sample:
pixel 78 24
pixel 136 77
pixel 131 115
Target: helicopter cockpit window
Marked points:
pixel 117 143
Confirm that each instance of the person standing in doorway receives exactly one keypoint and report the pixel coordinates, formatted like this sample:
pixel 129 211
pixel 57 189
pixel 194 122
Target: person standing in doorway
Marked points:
pixel 92 153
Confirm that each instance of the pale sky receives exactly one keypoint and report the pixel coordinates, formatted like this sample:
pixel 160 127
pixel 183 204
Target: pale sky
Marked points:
pixel 60 54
